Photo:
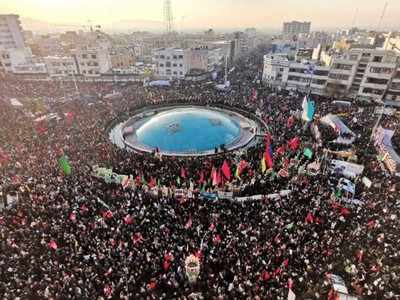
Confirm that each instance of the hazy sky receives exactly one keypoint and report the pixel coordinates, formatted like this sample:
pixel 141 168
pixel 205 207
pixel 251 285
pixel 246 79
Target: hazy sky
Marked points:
pixel 211 13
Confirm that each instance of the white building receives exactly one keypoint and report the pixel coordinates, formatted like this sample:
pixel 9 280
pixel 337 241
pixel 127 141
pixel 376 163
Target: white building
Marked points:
pixel 275 66
pixel 171 63
pixel 58 66
pixel 295 27
pixel 370 74
pixel 92 61
pixel 11 35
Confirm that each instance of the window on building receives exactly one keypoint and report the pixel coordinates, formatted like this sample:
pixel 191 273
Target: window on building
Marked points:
pixel 346 67
pixel 161 65
pixel 162 56
pixel 94 56
pixel 84 56
pixel 366 55
pixel 180 73
pixel 395 86
pixel 168 64
pixel 168 72
pixel 174 65
pixel 175 57
pixel 339 76
pixel 377 80
pixel 373 91
pixel 180 56
pixel 382 70
pixel 175 73
pixel 168 57
pixel 377 59
pixel 181 65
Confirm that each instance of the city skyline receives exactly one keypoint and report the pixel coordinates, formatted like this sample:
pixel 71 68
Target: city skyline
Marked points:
pixel 190 15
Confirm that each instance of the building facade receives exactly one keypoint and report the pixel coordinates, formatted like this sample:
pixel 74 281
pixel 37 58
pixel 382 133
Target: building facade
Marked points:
pixel 171 63
pixel 92 62
pixel 295 27
pixel 61 66
pixel 364 74
pixel 11 33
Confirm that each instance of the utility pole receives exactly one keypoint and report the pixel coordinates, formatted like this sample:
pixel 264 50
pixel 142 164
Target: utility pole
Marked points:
pixel 168 17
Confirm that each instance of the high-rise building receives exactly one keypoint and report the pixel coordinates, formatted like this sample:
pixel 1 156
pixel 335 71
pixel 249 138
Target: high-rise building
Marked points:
pixel 11 33
pixel 295 27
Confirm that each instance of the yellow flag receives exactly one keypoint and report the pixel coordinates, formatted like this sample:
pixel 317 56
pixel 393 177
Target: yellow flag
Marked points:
pixel 263 165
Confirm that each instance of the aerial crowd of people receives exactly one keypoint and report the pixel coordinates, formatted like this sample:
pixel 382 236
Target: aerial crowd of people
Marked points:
pixel 76 236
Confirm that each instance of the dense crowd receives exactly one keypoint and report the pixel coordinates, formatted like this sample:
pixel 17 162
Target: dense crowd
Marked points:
pixel 78 237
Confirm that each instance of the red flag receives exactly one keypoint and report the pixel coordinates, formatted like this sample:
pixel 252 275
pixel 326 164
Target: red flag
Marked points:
pixel 309 218
pixel 152 285
pixel 165 265
pixel 212 227
pixel 108 291
pixel 268 158
pixel 242 166
pixel 107 214
pixel 277 272
pixel 183 172
pixel 53 245
pixel 128 220
pixel 152 182
pixel 226 170
pixel 294 143
pixel 344 211
pixel 290 283
pixel 281 150
pixel 290 121
pixel 266 276
pixel 201 179
pixel 286 263
pixel 70 118
pixel 137 238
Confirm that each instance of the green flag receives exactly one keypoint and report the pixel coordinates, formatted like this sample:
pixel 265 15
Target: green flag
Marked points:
pixel 65 165
pixel 308 153
pixel 178 180
pixel 144 182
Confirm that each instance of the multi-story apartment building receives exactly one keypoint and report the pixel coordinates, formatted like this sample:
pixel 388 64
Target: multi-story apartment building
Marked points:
pixel 370 74
pixel 363 73
pixel 92 61
pixel 58 66
pixel 176 63
pixel 295 27
pixel 122 58
pixel 11 33
pixel 171 63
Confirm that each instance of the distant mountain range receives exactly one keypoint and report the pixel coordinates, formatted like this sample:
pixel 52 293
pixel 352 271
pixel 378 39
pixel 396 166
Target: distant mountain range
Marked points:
pixel 119 26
